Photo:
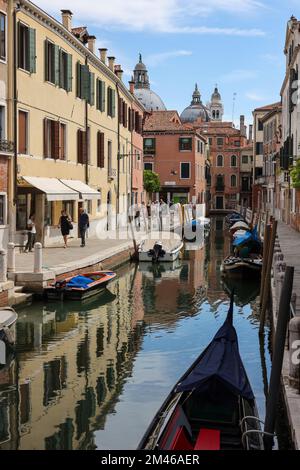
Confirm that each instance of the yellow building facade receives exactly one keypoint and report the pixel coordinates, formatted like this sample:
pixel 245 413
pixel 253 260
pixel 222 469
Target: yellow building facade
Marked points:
pixel 72 122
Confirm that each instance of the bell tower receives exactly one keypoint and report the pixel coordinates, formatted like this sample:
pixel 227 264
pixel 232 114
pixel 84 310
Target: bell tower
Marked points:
pixel 216 106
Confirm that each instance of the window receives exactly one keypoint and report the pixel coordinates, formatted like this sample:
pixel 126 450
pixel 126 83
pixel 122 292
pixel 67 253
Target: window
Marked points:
pixel 3 217
pixel 149 146
pixel 233 181
pixel 23 132
pixel 68 206
pixel 51 63
pixel 233 161
pixel 100 101
pixel 82 146
pixel 148 166
pixel 185 170
pixel 65 70
pixel 49 213
pixel 245 159
pixel 100 150
pixel 109 157
pixel 26 48
pixel 85 84
pixel 2 36
pixel 199 146
pixel 99 201
pixel 220 141
pixel 2 123
pixel 260 125
pixel 259 148
pixel 237 143
pixel 220 160
pixel 111 102
pixel 55 136
pixel 89 208
pixel 210 140
pixel 185 144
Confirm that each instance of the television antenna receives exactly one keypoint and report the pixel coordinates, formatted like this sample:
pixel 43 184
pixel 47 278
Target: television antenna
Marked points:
pixel 233 106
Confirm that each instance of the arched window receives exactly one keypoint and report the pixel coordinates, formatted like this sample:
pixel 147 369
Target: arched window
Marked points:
pixel 214 114
pixel 233 160
pixel 218 114
pixel 220 160
pixel 233 181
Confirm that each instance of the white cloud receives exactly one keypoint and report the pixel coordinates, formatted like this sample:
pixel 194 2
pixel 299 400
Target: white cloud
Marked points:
pixel 164 16
pixel 156 59
pixel 238 76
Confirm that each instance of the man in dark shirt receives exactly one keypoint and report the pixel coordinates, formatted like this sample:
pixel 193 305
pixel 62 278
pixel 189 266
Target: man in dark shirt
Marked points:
pixel 84 224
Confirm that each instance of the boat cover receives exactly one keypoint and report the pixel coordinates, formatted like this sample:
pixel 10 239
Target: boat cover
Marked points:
pixel 220 363
pixel 247 237
pixel 79 282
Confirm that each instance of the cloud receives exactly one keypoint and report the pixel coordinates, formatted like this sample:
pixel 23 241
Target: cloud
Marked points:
pixel 253 96
pixel 160 16
pixel 156 59
pixel 239 76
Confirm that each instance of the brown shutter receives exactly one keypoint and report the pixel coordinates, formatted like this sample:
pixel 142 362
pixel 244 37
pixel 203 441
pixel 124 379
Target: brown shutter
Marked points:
pixel 55 137
pixel 140 124
pixel 133 119
pixel 62 150
pixel 120 110
pixel 100 150
pixel 22 132
pixel 46 150
pixel 84 147
pixel 129 119
pixel 79 146
pixel 125 114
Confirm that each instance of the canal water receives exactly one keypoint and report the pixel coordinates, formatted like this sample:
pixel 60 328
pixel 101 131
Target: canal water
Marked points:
pixel 92 375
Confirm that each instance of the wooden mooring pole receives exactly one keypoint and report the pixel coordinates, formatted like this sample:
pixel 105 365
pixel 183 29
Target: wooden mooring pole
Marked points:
pixel 267 237
pixel 278 353
pixel 267 276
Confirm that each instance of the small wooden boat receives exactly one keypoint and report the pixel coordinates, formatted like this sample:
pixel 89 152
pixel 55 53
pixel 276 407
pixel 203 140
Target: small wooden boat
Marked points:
pixel 8 318
pixel 166 248
pixel 212 407
pixel 239 226
pixel 79 287
pixel 242 267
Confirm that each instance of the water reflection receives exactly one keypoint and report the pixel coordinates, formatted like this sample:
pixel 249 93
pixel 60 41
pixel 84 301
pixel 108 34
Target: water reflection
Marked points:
pixel 91 375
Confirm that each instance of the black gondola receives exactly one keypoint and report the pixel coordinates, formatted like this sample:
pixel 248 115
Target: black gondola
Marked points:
pixel 212 407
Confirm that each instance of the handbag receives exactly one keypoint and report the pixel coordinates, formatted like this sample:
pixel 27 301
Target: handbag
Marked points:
pixel 70 225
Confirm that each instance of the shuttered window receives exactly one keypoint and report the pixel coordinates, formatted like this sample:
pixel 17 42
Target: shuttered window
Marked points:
pixel 85 84
pixel 129 120
pixel 52 63
pixel 125 107
pixel 81 146
pixel 91 98
pixel 26 48
pixel 54 139
pixel 120 110
pixel 2 36
pixel 23 132
pixel 111 102
pixel 100 150
pixel 100 103
pixel 65 70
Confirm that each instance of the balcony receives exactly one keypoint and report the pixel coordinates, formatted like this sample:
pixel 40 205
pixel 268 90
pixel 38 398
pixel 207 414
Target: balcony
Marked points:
pixel 7 146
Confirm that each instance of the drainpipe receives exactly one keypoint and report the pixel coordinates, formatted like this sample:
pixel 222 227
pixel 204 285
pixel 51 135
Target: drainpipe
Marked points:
pixel 86 135
pixel 15 106
pixel 118 161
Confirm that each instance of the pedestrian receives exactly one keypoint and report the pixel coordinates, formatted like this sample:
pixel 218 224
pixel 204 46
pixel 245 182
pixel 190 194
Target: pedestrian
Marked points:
pixel 31 233
pixel 65 225
pixel 84 224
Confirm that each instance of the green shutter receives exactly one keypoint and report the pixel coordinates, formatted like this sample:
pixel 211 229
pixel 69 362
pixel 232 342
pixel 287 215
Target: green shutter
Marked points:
pixel 69 72
pixel 32 50
pixel 113 103
pixel 78 80
pixel 56 65
pixel 97 93
pixel 46 62
pixel 85 83
pixel 92 89
pixel 102 95
pixel 61 69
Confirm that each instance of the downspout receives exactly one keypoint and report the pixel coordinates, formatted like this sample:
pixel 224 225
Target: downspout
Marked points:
pixel 86 135
pixel 15 108
pixel 118 161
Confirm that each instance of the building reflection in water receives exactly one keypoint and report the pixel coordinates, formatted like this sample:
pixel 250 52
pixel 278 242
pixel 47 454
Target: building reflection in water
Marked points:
pixel 73 359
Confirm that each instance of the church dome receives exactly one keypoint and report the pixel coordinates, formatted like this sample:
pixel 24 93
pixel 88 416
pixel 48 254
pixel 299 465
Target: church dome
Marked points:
pixel 149 99
pixel 196 110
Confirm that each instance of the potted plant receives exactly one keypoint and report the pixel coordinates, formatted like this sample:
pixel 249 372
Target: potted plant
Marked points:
pixel 295 175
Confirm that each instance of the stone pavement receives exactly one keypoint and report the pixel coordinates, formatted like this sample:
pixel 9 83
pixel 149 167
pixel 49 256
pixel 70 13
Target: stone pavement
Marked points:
pixel 59 259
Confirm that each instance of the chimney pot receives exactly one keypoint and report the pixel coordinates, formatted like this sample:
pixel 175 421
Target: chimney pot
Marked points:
pixel 111 63
pixel 103 52
pixel 91 43
pixel 131 86
pixel 66 16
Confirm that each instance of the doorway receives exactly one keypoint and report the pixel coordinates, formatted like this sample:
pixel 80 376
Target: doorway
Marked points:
pixel 219 202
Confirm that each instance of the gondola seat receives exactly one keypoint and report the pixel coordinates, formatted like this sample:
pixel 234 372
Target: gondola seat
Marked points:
pixel 208 439
pixel 180 441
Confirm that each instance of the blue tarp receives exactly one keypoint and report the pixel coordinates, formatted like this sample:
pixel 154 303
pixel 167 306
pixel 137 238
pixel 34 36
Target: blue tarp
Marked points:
pixel 79 281
pixel 248 237
pixel 220 363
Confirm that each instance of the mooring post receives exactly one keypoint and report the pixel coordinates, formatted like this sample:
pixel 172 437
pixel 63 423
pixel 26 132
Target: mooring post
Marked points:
pixel 267 281
pixel 279 345
pixel 38 257
pixel 11 258
pixel 267 236
pixel 3 266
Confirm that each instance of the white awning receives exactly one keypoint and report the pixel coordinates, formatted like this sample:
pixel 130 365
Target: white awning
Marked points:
pixel 54 189
pixel 85 191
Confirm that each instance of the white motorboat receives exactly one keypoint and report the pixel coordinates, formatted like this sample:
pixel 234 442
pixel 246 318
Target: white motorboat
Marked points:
pixel 160 246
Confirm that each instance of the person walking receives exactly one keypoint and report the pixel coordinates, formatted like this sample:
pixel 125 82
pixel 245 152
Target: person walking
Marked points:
pixel 65 225
pixel 84 223
pixel 31 233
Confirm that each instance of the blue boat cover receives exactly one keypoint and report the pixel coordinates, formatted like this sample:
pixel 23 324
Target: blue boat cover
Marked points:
pixel 79 282
pixel 249 236
pixel 220 363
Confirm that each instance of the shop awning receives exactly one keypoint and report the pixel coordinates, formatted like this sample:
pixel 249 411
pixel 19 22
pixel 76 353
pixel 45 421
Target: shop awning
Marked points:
pixel 54 189
pixel 85 191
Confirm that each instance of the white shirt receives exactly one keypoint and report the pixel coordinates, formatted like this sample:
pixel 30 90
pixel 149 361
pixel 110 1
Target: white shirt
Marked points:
pixel 30 222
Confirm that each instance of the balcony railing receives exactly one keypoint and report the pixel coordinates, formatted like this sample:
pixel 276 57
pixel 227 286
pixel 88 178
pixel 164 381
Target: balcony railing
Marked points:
pixel 7 146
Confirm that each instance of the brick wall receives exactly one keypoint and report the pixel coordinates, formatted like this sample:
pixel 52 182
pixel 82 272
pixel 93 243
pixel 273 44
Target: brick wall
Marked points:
pixel 4 298
pixel 3 174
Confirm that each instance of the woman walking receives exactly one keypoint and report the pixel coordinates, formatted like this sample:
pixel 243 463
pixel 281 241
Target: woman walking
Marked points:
pixel 31 233
pixel 65 225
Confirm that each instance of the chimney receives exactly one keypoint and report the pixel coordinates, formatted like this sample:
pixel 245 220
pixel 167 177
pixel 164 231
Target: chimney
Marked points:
pixel 103 52
pixel 250 133
pixel 242 126
pixel 131 86
pixel 118 71
pixel 91 43
pixel 111 63
pixel 66 17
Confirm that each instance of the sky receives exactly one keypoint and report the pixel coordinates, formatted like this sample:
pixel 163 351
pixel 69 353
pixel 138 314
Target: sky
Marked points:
pixel 236 44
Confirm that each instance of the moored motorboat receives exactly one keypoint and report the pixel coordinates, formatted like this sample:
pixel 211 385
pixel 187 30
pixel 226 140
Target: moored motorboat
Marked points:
pixel 8 318
pixel 79 287
pixel 212 407
pixel 242 267
pixel 165 248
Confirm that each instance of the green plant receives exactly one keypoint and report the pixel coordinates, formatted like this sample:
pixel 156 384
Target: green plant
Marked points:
pixel 151 181
pixel 295 175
